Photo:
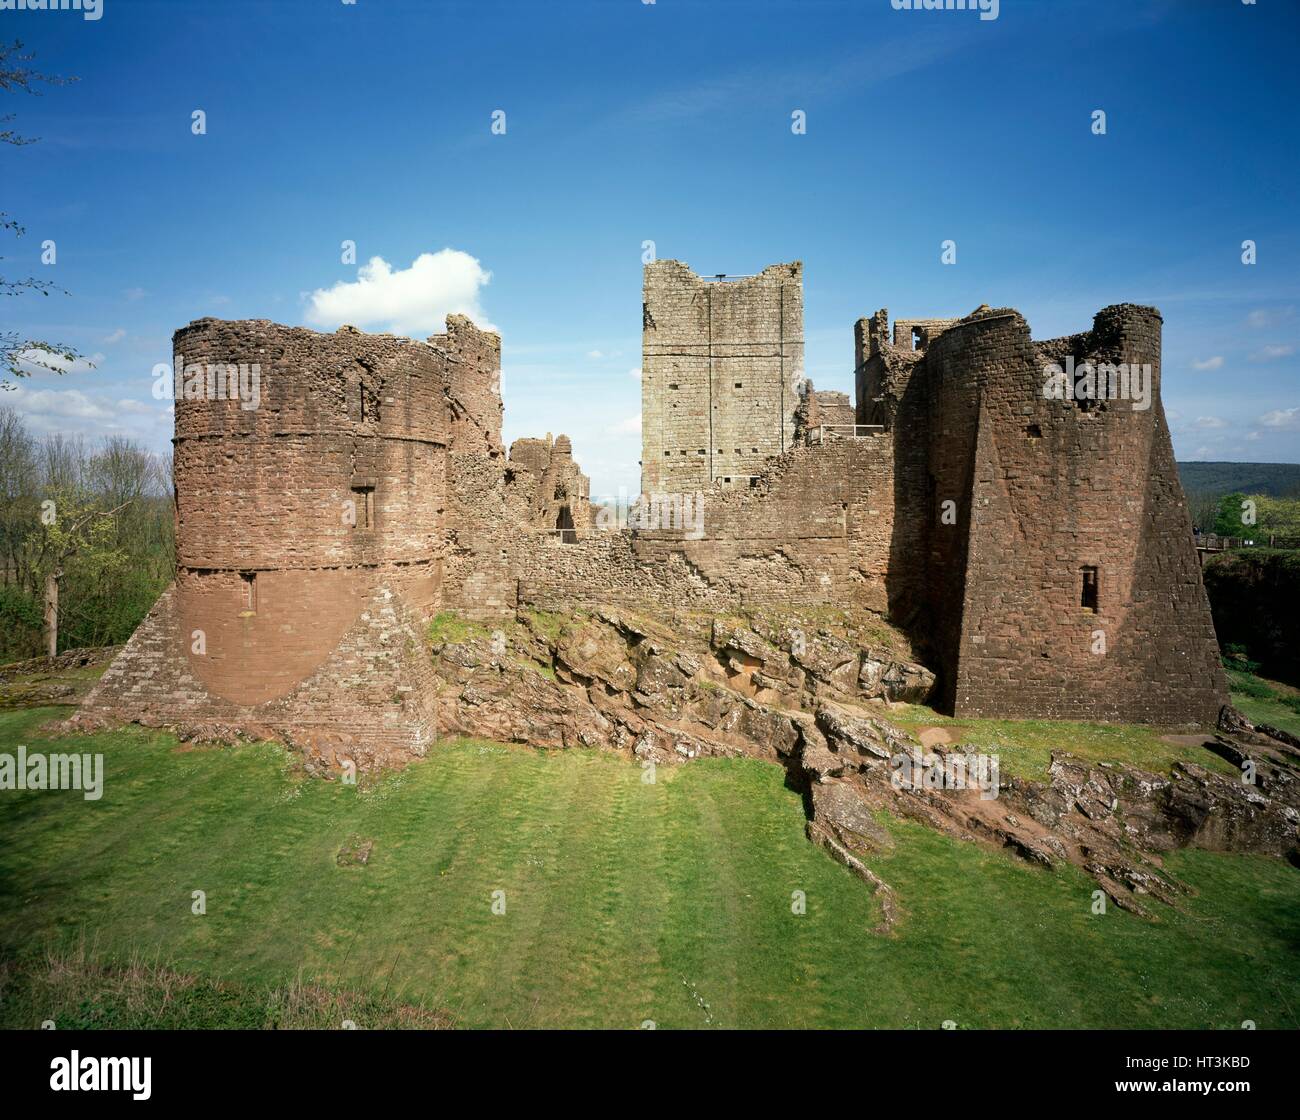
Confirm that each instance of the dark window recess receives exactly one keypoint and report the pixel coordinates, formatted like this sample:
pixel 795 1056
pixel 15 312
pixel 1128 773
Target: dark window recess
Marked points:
pixel 363 498
pixel 739 385
pixel 1033 431
pixel 249 581
pixel 564 523
pixel 1088 591
pixel 672 384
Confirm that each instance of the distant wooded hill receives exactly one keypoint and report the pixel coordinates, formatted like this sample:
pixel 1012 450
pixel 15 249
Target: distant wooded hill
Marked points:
pixel 1279 480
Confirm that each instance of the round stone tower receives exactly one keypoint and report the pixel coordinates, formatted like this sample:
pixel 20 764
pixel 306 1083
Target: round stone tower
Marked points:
pixel 310 470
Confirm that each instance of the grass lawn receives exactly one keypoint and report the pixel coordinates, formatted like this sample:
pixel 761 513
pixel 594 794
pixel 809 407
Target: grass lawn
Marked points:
pixel 1265 701
pixel 1024 747
pixel 624 901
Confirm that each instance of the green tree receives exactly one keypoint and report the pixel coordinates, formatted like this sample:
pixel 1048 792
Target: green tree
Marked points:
pixel 1278 517
pixel 1228 523
pixel 78 532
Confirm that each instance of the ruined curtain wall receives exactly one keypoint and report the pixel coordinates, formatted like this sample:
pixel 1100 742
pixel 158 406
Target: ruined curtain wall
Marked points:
pixel 816 530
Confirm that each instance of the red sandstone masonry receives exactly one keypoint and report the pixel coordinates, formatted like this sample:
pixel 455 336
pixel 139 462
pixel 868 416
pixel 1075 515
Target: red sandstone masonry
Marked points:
pixel 1042 489
pixel 287 619
pixel 311 535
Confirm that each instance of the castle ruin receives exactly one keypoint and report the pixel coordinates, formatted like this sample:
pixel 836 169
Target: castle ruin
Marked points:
pixel 1038 549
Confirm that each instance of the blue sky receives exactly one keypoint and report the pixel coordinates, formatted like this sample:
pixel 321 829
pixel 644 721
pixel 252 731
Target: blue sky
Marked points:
pixel 670 122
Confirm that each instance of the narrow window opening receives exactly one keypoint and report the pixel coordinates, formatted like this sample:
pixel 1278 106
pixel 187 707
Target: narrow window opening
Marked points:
pixel 564 523
pixel 363 498
pixel 918 339
pixel 249 581
pixel 1088 592
pixel 1033 431
pixel 739 385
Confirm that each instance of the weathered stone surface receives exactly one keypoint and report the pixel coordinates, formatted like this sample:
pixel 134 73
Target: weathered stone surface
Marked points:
pixel 854 736
pixel 595 651
pixel 842 808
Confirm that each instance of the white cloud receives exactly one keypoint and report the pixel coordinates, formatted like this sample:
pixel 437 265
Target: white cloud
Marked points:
pixel 68 404
pixel 92 413
pixel 1263 318
pixel 1210 363
pixel 116 336
pixel 594 354
pixel 413 301
pixel 630 426
pixel 1210 422
pixel 140 408
pixel 1272 353
pixel 1288 419
pixel 635 373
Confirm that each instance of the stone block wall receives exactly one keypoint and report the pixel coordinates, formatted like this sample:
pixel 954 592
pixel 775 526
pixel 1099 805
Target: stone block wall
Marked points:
pixel 311 528
pixel 721 373
pixel 815 528
pixel 1061 486
pixel 1045 494
pixel 317 532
